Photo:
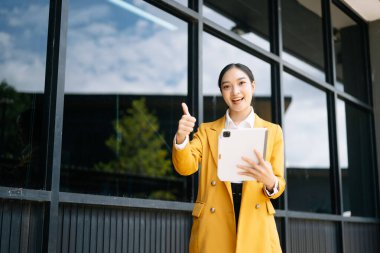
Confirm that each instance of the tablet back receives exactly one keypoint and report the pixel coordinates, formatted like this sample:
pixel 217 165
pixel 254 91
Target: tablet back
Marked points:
pixel 235 143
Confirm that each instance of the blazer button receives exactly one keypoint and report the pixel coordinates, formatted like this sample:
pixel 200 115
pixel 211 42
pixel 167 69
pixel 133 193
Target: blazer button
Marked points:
pixel 213 182
pixel 212 210
pixel 257 206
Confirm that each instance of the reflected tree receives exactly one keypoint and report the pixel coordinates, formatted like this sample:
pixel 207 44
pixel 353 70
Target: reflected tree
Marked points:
pixel 12 104
pixel 138 146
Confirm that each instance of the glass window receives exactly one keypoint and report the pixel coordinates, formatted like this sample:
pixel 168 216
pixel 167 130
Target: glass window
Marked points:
pixel 214 62
pixel 356 160
pixel 248 19
pixel 126 76
pixel 307 147
pixel 349 55
pixel 183 2
pixel 23 42
pixel 303 37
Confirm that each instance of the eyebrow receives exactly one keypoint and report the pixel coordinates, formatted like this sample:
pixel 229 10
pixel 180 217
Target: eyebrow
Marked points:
pixel 240 78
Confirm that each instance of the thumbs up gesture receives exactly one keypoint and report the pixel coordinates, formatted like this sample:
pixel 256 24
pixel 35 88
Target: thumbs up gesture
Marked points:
pixel 185 125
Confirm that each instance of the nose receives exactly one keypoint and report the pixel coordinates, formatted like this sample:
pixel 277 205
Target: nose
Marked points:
pixel 235 89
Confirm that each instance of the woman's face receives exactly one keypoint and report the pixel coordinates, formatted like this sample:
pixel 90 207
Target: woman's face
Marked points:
pixel 237 91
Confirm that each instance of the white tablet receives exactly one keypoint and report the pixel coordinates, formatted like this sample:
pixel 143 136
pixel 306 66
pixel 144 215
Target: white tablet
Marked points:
pixel 235 143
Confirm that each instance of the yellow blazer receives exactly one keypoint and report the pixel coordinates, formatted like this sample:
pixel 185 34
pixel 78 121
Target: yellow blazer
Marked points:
pixel 214 228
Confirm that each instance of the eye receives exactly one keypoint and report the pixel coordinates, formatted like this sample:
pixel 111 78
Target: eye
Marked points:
pixel 242 83
pixel 226 87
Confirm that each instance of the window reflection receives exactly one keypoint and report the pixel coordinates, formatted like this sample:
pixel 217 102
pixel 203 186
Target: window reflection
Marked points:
pixel 248 19
pixel 214 62
pixel 125 80
pixel 303 37
pixel 356 161
pixel 23 36
pixel 307 147
pixel 349 55
pixel 183 2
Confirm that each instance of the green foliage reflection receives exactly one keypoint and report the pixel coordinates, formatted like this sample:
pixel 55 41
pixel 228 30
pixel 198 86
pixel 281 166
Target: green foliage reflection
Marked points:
pixel 137 144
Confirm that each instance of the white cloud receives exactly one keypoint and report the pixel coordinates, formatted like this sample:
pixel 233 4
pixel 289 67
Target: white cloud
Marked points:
pixel 217 54
pixel 34 17
pixel 103 59
pixel 5 40
pixel 21 62
pixel 89 14
pixel 306 129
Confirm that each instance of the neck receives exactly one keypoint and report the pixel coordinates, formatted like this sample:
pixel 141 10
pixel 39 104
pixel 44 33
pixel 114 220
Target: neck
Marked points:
pixel 238 117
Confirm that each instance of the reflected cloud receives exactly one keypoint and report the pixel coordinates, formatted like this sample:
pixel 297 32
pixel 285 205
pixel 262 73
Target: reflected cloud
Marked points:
pixel 23 45
pixel 217 54
pixel 306 130
pixel 84 16
pixel 31 17
pixel 104 57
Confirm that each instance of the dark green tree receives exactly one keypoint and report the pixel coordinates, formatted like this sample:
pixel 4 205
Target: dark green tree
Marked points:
pixel 12 104
pixel 137 144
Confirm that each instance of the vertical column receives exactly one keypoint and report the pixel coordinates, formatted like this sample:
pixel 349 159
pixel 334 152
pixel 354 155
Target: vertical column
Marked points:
pixel 335 172
pixel 374 43
pixel 195 88
pixel 277 99
pixel 54 86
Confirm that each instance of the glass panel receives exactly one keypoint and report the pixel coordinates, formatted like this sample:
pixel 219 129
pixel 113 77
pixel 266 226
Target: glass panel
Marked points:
pixel 303 37
pixel 247 18
pixel 183 2
pixel 126 76
pixel 214 62
pixel 23 37
pixel 349 55
pixel 307 147
pixel 356 161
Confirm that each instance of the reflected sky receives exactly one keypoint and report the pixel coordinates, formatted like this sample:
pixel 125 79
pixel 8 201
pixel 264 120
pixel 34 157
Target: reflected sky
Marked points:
pixel 217 54
pixel 306 133
pixel 112 49
pixel 23 36
pixel 342 134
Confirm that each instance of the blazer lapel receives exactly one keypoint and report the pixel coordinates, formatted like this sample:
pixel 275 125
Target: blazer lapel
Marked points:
pixel 259 122
pixel 213 133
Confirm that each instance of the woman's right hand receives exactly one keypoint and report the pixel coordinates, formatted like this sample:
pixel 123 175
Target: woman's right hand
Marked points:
pixel 185 125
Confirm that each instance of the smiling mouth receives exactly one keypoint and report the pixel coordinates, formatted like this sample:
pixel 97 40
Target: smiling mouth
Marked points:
pixel 237 100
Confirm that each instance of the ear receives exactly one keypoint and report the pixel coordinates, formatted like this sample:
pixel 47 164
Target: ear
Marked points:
pixel 253 86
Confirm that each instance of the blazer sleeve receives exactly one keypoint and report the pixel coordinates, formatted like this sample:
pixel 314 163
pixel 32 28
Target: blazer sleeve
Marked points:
pixel 186 160
pixel 277 161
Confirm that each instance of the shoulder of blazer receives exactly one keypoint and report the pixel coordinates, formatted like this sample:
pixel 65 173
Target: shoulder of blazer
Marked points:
pixel 259 122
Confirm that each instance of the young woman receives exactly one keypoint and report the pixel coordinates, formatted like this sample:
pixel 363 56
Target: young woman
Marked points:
pixel 239 216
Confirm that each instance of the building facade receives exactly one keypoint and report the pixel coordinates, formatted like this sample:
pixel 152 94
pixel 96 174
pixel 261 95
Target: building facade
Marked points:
pixel 90 99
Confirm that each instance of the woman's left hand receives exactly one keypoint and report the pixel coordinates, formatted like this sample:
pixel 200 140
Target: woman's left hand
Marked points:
pixel 261 171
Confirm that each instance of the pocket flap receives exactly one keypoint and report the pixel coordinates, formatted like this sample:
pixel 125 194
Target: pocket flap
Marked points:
pixel 270 207
pixel 198 207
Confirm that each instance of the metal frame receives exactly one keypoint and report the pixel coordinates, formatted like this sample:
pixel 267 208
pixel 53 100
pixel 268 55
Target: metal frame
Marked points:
pixel 54 102
pixel 54 95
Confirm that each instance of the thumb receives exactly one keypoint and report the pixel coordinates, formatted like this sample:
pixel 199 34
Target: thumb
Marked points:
pixel 185 109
